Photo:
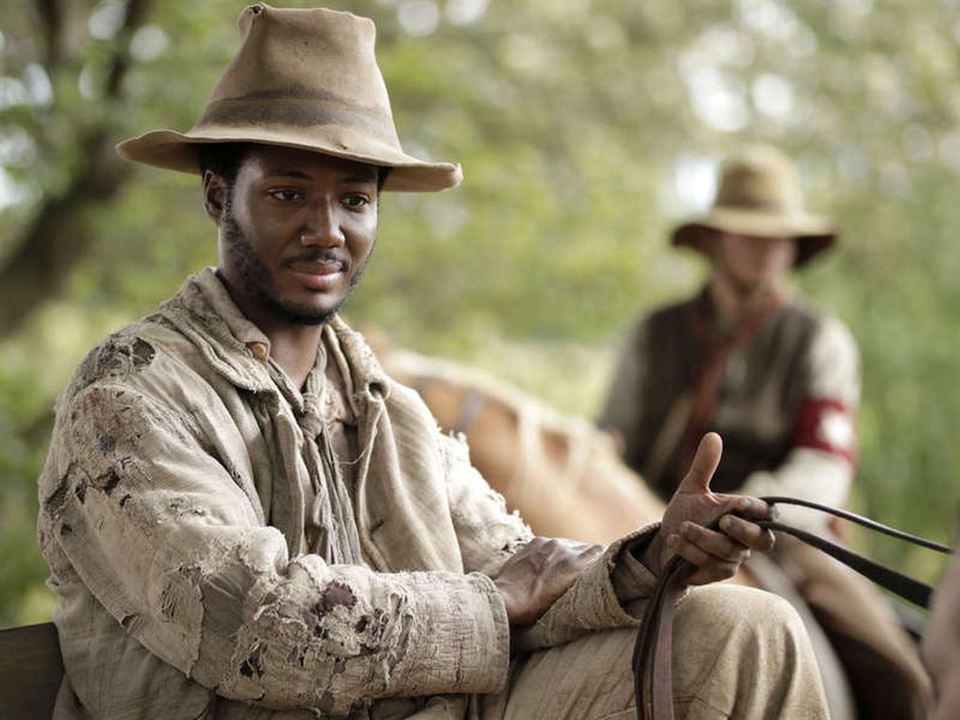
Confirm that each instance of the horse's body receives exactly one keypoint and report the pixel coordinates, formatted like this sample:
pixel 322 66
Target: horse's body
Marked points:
pixel 562 474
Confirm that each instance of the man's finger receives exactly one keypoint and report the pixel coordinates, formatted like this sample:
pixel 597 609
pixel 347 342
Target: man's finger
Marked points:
pixel 697 479
pixel 716 544
pixel 753 507
pixel 747 533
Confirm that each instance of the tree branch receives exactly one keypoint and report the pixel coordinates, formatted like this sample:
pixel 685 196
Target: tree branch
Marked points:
pixel 60 236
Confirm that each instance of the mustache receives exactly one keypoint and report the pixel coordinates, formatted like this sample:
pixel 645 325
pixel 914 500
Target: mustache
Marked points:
pixel 319 255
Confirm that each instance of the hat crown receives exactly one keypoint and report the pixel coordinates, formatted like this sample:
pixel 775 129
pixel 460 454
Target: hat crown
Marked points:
pixel 760 178
pixel 303 67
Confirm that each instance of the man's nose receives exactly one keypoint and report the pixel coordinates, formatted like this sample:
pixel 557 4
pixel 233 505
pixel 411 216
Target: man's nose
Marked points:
pixel 323 227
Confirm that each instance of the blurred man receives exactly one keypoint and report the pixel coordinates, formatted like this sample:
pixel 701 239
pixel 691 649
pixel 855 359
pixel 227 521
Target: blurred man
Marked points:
pixel 780 382
pixel 245 518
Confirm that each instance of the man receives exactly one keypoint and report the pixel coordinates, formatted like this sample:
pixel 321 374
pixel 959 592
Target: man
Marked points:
pixel 780 383
pixel 245 518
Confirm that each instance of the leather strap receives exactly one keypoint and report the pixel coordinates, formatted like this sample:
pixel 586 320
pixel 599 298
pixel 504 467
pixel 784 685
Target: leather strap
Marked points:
pixel 653 657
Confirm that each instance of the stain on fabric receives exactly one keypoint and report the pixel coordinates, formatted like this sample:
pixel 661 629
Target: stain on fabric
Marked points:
pixel 336 594
pixel 118 356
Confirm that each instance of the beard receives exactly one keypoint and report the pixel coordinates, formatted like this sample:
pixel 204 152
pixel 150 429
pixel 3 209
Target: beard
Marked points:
pixel 258 282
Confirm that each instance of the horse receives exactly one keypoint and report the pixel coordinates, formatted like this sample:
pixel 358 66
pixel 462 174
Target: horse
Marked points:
pixel 561 473
pixel 566 478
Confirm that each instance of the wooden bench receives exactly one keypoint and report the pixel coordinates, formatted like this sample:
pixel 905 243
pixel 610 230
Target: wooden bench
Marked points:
pixel 30 672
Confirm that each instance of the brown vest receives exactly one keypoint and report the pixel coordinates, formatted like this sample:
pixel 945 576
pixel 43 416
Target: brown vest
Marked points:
pixel 748 387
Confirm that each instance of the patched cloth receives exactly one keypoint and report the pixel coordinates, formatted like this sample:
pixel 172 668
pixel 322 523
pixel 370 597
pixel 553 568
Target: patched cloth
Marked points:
pixel 225 545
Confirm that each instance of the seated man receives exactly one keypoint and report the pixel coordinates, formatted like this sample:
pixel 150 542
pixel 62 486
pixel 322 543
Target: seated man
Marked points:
pixel 245 518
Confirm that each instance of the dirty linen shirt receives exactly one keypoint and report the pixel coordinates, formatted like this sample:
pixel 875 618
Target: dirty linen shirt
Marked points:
pixel 172 520
pixel 328 424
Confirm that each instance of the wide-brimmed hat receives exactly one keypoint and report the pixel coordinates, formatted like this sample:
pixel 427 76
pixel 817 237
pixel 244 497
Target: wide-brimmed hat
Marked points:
pixel 304 79
pixel 760 195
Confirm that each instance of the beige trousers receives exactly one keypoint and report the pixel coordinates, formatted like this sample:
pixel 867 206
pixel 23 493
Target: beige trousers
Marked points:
pixel 738 653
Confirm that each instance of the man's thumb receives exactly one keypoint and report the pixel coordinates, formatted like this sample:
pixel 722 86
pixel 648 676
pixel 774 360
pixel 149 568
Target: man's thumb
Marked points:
pixel 704 465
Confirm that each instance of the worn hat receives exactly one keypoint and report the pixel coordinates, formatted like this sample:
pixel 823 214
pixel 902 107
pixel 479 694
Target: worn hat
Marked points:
pixel 303 79
pixel 760 196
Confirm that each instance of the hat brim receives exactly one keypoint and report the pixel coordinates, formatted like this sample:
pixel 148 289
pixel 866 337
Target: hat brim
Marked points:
pixel 173 150
pixel 812 233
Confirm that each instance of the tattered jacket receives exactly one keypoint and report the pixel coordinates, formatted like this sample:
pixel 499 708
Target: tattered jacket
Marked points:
pixel 172 518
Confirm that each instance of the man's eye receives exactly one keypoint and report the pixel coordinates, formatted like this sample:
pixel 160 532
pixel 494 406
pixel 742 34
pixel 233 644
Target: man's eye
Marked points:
pixel 356 201
pixel 286 194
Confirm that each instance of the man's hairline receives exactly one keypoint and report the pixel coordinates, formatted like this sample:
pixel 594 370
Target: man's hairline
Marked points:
pixel 382 171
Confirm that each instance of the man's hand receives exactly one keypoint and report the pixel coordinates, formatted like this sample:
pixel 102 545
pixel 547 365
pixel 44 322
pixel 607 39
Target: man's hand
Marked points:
pixel 539 573
pixel 716 555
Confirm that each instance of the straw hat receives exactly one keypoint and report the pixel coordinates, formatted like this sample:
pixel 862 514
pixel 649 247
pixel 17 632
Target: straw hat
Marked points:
pixel 304 79
pixel 760 196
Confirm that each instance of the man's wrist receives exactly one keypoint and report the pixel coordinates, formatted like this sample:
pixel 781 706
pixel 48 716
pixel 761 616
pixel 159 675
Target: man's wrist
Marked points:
pixel 650 552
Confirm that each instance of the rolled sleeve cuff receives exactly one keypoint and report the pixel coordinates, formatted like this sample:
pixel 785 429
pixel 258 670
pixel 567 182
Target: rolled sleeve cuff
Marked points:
pixel 592 602
pixel 631 579
pixel 470 654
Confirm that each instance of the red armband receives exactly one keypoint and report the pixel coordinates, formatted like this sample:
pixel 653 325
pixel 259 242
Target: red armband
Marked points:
pixel 826 424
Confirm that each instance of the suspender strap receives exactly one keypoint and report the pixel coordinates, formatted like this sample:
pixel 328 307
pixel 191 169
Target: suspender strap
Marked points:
pixel 652 657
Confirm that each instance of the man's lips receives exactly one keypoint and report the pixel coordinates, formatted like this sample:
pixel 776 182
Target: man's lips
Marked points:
pixel 318 274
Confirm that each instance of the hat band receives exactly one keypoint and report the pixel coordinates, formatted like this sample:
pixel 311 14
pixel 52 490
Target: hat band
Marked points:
pixel 296 112
pixel 770 205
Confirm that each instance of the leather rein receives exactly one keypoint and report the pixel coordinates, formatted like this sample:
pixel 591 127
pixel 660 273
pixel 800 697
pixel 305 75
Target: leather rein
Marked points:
pixel 652 655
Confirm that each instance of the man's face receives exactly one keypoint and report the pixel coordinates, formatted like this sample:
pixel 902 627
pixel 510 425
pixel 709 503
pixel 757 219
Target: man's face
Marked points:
pixel 296 233
pixel 752 262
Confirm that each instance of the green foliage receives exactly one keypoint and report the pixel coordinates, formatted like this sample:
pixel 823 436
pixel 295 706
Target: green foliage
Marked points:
pixel 571 120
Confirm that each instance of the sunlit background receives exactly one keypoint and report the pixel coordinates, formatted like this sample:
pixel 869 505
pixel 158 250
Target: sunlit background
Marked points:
pixel 586 130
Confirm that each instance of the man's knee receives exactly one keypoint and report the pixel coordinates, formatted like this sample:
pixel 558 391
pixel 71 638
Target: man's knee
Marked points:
pixel 724 610
pixel 733 643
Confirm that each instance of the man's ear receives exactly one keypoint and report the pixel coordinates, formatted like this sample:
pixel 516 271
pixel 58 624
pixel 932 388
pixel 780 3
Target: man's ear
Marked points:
pixel 214 196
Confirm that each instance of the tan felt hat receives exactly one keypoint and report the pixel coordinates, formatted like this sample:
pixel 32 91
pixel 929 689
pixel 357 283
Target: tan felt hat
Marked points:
pixel 304 79
pixel 760 196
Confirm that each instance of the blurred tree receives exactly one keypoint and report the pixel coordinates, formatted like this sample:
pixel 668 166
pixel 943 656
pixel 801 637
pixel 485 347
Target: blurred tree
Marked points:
pixel 584 128
pixel 74 84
